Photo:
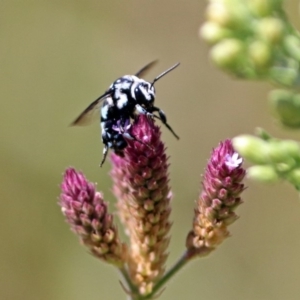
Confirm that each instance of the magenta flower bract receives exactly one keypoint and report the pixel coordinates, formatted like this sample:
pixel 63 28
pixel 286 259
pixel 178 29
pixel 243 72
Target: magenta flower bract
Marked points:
pixel 86 212
pixel 141 187
pixel 222 186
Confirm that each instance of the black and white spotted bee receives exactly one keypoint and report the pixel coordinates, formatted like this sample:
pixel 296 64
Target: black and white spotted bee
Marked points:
pixel 125 98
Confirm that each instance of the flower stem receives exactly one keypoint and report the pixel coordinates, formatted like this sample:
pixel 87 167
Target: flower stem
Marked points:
pixel 132 290
pixel 176 267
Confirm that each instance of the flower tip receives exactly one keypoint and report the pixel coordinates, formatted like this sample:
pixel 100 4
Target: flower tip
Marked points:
pixel 233 161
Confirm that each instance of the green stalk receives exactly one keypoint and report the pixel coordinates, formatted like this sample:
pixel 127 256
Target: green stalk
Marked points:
pixel 132 290
pixel 168 275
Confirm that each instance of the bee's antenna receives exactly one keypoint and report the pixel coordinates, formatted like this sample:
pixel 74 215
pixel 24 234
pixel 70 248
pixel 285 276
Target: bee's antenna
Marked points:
pixel 163 74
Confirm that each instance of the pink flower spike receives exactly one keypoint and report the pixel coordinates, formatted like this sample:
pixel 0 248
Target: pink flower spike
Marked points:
pixel 86 213
pixel 141 187
pixel 222 186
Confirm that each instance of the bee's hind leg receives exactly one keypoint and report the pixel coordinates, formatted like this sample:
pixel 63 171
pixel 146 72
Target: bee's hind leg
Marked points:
pixel 105 151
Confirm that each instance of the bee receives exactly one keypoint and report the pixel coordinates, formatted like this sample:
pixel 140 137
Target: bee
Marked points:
pixel 126 97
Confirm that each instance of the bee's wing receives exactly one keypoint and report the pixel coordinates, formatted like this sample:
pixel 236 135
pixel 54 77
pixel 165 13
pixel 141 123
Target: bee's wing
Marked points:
pixel 87 116
pixel 144 70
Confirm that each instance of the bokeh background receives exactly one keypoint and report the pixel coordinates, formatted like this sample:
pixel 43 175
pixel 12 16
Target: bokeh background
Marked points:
pixel 58 56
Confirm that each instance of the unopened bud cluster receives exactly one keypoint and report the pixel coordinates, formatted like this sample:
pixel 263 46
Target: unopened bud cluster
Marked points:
pixel 252 39
pixel 273 158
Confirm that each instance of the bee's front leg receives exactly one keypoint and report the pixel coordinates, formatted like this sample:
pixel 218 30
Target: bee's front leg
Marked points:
pixel 141 110
pixel 163 119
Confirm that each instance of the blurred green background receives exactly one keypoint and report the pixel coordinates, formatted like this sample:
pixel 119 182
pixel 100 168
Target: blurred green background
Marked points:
pixel 58 56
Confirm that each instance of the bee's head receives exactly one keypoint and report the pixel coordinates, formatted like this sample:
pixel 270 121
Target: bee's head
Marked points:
pixel 144 92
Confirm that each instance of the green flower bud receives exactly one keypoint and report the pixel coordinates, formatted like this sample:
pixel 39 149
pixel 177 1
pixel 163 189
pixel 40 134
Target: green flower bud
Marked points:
pixel 228 13
pixel 286 107
pixel 284 167
pixel 291 148
pixel 261 8
pixel 260 54
pixel 213 32
pixel 294 177
pixel 270 30
pixel 252 148
pixel 275 154
pixel 218 13
pixel 292 45
pixel 261 133
pixel 285 75
pixel 265 174
pixel 279 153
pixel 227 53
